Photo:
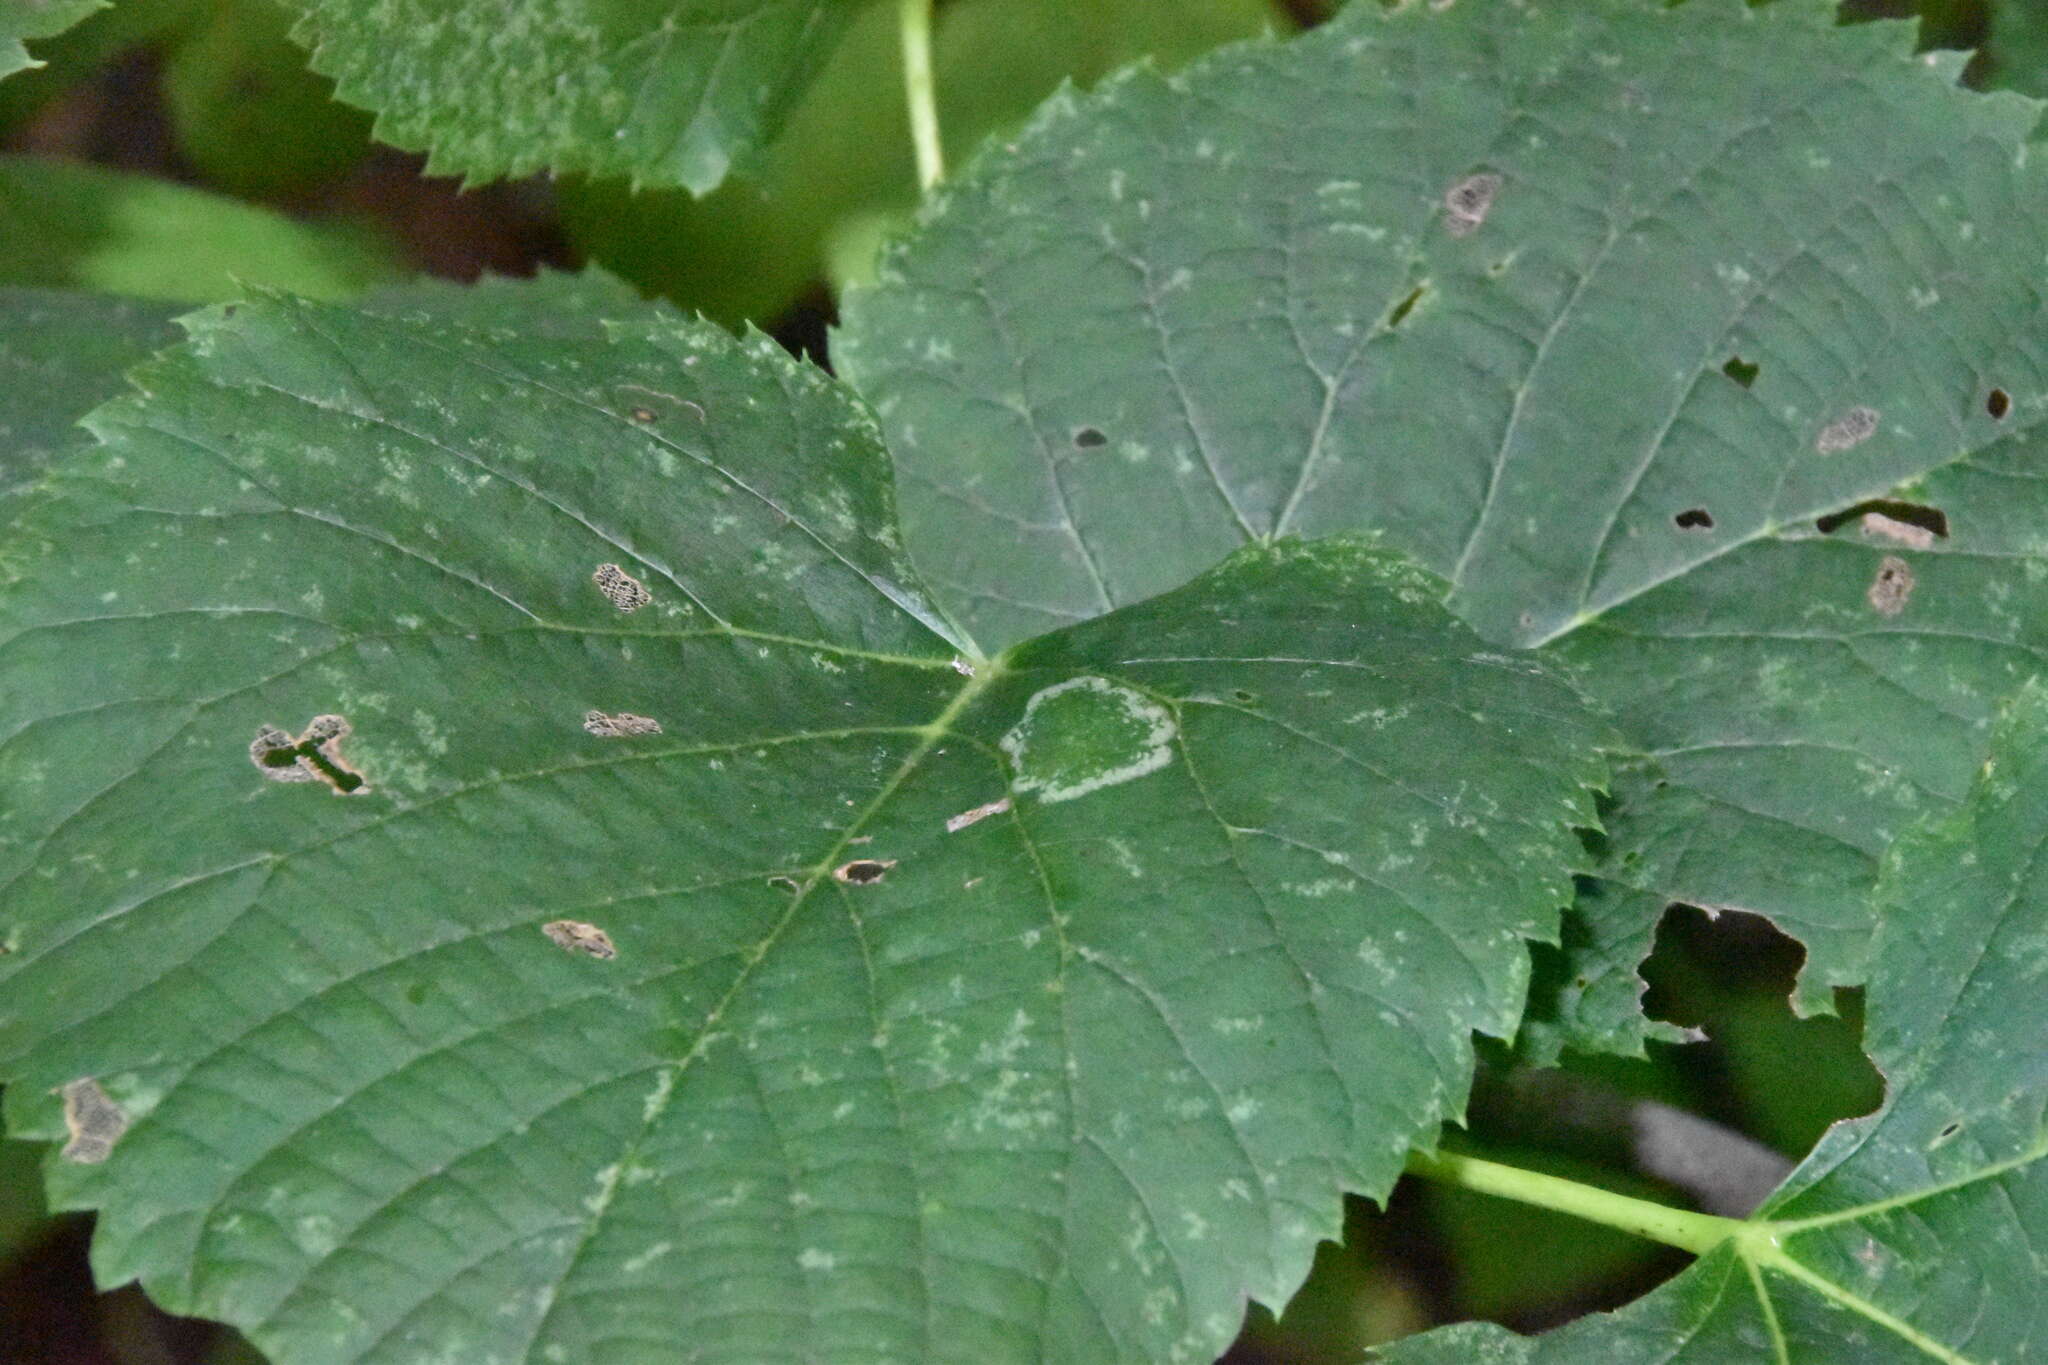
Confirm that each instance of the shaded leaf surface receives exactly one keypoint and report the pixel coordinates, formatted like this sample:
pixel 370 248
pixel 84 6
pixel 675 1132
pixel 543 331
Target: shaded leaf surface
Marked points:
pixel 1909 1235
pixel 564 1036
pixel 1596 309
pixel 664 92
pixel 61 356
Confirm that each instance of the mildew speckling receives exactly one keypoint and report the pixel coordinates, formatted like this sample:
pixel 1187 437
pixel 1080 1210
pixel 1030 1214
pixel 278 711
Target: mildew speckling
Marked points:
pixel 577 937
pixel 93 1120
pixel 1892 587
pixel 620 588
pixel 1467 203
pixel 1846 432
pixel 1085 734
pixel 308 757
pixel 619 726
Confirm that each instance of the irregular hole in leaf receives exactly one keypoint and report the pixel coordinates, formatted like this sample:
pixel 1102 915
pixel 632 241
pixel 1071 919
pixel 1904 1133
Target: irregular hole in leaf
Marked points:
pixel 577 937
pixel 1892 587
pixel 619 726
pixel 956 823
pixel 95 1123
pixel 1741 371
pixel 1908 523
pixel 1694 519
pixel 1400 311
pixel 863 871
pixel 620 588
pixel 1089 438
pixel 1998 403
pixel 1243 697
pixel 307 757
pixel 783 883
pixel 1941 1139
pixel 1467 203
pixel 1848 431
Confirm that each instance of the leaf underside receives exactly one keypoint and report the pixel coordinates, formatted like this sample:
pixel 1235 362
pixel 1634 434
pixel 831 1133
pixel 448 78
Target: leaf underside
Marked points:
pixel 1910 1235
pixel 1599 310
pixel 662 92
pixel 502 866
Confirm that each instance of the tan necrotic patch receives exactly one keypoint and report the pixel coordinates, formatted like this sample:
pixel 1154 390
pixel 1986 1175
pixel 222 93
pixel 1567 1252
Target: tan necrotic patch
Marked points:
pixel 620 588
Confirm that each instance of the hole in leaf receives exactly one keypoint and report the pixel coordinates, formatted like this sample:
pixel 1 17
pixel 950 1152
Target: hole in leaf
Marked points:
pixel 1948 1131
pixel 1741 371
pixel 1089 438
pixel 1401 310
pixel 308 757
pixel 1694 519
pixel 863 871
pixel 1908 523
pixel 1998 403
pixel 1244 698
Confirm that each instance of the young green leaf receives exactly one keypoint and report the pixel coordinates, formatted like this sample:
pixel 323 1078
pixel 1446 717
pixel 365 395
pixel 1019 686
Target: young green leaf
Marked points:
pixel 1592 324
pixel 501 862
pixel 78 226
pixel 663 92
pixel 1909 1235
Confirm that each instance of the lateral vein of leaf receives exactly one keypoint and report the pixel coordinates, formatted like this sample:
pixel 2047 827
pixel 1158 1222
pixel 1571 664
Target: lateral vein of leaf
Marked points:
pixel 1775 1259
pixel 886 592
pixel 1781 1350
pixel 931 735
pixel 1793 1226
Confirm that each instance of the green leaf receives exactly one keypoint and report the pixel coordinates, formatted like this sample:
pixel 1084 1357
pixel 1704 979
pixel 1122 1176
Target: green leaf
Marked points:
pixel 664 92
pixel 31 19
pixel 73 225
pixel 749 249
pixel 662 930
pixel 247 113
pixel 1589 325
pixel 61 355
pixel 2019 46
pixel 1909 1235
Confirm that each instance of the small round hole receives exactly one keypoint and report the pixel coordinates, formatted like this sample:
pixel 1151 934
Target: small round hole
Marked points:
pixel 1694 519
pixel 1998 403
pixel 1088 438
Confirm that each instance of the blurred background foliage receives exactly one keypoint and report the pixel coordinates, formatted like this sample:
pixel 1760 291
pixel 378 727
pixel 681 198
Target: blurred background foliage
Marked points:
pixel 202 158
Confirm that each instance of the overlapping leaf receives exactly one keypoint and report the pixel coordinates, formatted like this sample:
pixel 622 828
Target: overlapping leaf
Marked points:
pixel 665 92
pixel 1597 308
pixel 1911 1235
pixel 500 864
pixel 32 19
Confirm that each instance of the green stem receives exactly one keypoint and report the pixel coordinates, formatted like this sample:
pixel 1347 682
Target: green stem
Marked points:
pixel 1698 1233
pixel 915 17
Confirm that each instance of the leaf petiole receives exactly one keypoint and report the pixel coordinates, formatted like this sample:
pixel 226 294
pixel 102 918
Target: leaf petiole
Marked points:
pixel 915 28
pixel 1698 1233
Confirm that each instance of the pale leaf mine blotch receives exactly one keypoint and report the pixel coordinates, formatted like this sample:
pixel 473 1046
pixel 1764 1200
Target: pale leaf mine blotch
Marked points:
pixel 1846 432
pixel 1467 203
pixel 1892 587
pixel 620 588
pixel 93 1120
pixel 577 937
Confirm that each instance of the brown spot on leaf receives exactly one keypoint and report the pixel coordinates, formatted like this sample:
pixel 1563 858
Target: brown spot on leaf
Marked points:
pixel 618 727
pixel 94 1121
pixel 1892 586
pixel 1467 203
pixel 620 588
pixel 1846 432
pixel 863 871
pixel 965 818
pixel 577 937
pixel 312 756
